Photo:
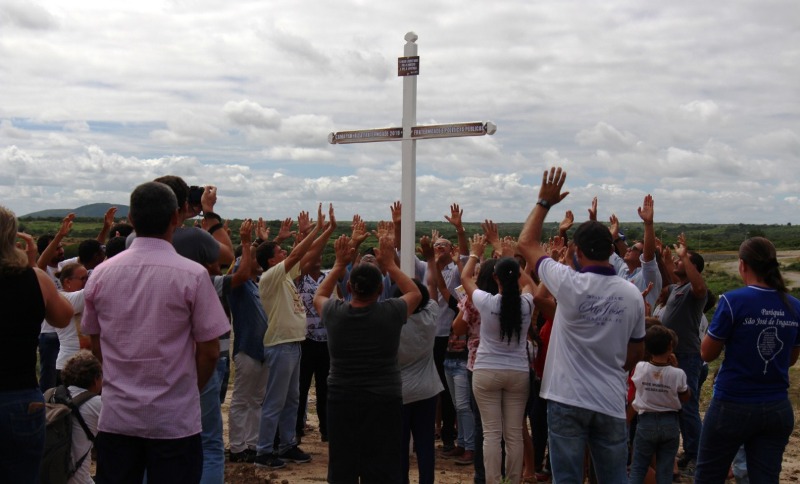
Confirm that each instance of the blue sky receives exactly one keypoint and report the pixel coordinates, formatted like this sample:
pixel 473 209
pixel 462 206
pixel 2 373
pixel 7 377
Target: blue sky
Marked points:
pixel 694 102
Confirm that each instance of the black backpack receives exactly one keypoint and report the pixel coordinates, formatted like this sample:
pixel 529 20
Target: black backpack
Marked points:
pixel 57 465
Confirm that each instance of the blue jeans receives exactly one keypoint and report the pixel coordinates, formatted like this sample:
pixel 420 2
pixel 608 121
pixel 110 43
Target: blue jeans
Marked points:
pixel 211 436
pixel 418 420
pixel 763 428
pixel 740 467
pixel 279 410
pixel 224 370
pixel 48 353
pixel 571 428
pixel 657 434
pixel 22 429
pixel 455 371
pixel 691 424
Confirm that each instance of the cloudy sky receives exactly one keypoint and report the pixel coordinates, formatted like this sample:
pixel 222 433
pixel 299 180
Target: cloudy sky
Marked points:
pixel 696 102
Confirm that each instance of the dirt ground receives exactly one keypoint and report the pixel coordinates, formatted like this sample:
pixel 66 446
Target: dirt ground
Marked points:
pixel 447 472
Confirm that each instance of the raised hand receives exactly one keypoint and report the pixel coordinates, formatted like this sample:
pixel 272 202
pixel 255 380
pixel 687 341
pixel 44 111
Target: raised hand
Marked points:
pixel 552 183
pixel 455 216
pixel 680 248
pixel 286 230
pixel 343 249
pixel 331 217
pixel 66 225
pixel 566 224
pixel 593 209
pixel 304 223
pixel 245 232
pixel 508 246
pixel 108 218
pixel 490 231
pixel 477 245
pixel 262 231
pixel 614 228
pixel 29 247
pixel 209 198
pixel 425 247
pixel 646 210
pixel 396 209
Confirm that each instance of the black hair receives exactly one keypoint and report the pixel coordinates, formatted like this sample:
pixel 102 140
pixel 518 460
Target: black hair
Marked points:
pixel 88 249
pixel 124 229
pixel 760 256
pixel 485 280
pixel 264 252
pixel 697 260
pixel 507 271
pixel 426 296
pixel 152 207
pixel 365 280
pixel 115 245
pixel 178 186
pixel 43 242
pixel 657 340
pixel 594 240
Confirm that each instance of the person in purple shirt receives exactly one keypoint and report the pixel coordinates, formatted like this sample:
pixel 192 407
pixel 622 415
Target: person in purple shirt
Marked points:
pixel 154 320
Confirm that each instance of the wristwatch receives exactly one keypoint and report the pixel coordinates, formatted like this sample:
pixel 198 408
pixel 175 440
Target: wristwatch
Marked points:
pixel 544 203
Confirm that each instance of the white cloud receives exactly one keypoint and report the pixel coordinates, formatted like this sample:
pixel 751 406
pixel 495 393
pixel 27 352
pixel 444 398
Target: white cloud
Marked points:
pixel 249 113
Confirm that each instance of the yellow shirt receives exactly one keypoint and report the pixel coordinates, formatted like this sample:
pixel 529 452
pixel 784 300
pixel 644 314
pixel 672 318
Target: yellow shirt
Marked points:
pixel 286 315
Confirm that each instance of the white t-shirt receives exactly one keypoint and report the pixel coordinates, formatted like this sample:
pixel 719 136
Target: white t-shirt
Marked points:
pixel 69 344
pixel 597 315
pixel 51 271
pixel 90 411
pixel 657 387
pixel 494 352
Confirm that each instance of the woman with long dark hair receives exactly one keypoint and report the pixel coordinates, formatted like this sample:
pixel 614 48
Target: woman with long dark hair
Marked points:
pixel 501 369
pixel 27 296
pixel 758 326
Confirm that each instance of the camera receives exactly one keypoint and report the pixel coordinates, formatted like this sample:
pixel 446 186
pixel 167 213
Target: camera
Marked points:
pixel 195 195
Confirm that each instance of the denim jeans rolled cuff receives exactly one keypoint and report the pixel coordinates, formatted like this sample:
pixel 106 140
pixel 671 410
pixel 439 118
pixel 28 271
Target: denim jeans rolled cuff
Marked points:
pixel 22 426
pixel 657 435
pixel 570 428
pixel 763 428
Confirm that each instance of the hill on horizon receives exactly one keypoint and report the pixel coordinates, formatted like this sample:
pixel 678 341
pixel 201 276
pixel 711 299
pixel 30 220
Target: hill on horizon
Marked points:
pixel 92 210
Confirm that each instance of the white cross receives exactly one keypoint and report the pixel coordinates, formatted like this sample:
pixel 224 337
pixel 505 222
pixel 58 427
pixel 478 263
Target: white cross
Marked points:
pixel 408 68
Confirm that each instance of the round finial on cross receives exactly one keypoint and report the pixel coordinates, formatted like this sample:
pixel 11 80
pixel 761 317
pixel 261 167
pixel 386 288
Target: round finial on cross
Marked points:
pixel 411 37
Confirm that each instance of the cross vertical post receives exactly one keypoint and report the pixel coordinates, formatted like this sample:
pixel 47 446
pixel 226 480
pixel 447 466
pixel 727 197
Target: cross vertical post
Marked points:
pixel 409 165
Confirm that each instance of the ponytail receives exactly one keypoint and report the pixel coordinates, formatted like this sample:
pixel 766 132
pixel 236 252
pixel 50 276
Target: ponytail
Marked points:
pixel 507 272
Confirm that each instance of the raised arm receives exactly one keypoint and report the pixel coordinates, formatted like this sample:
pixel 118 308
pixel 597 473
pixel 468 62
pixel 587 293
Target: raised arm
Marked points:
pixel 646 214
pixel 108 221
pixel 476 251
pixel 285 231
pixel 299 250
pixel 29 248
pixel 397 217
pixel 358 235
pixel 426 250
pixel 492 235
pixel 699 288
pixel 315 251
pixel 245 269
pixel 57 309
pixel 565 225
pixel 343 251
pixel 529 243
pixel 456 213
pixel 619 244
pixel 386 259
pixel 48 253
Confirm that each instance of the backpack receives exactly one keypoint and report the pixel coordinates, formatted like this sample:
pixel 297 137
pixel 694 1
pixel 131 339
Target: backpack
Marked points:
pixel 57 465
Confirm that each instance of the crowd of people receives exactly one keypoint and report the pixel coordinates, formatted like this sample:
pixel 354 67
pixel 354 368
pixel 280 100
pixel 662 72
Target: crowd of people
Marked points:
pixel 577 357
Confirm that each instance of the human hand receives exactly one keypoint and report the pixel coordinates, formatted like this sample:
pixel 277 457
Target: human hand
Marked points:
pixel 646 210
pixel 426 248
pixel 209 198
pixel 477 245
pixel 680 248
pixel 331 217
pixel 108 218
pixel 304 223
pixel 552 183
pixel 262 231
pixel 455 216
pixel 343 249
pixel 508 246
pixel 490 231
pixel 245 232
pixel 614 228
pixel 29 247
pixel 593 209
pixel 359 233
pixel 66 225
pixel 396 209
pixel 286 230
pixel 566 224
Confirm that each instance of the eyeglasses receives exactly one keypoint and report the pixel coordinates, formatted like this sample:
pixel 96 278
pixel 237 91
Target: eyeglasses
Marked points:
pixel 441 244
pixel 633 247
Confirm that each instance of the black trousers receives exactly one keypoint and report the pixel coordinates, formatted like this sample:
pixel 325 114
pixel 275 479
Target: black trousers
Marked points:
pixel 123 459
pixel 445 400
pixel 314 361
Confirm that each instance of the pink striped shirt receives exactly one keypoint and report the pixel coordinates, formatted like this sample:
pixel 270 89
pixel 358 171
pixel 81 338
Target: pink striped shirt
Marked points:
pixel 150 305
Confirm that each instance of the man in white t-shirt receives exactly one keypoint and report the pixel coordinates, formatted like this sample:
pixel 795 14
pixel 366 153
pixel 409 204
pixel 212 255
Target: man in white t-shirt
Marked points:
pixel 597 337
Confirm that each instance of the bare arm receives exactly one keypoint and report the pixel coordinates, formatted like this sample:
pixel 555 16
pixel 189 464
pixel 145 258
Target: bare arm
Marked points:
pixel 549 194
pixel 397 216
pixel 460 327
pixel 476 250
pixel 30 248
pixel 242 273
pixel 315 251
pixel 300 249
pixel 711 348
pixel 386 259
pixel 343 250
pixel 646 214
pixel 108 221
pixel 48 253
pixel 456 213
pixel 57 309
pixel 206 356
pixel 699 289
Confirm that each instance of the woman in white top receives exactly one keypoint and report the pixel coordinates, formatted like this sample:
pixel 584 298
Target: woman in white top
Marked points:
pixel 73 277
pixel 500 377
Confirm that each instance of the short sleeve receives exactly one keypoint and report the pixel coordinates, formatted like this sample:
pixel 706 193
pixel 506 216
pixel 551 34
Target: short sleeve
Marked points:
pixel 722 322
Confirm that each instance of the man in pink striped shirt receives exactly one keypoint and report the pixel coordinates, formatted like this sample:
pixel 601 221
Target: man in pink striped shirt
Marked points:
pixel 154 320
